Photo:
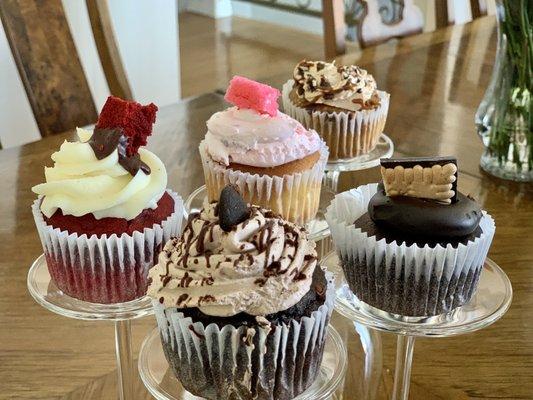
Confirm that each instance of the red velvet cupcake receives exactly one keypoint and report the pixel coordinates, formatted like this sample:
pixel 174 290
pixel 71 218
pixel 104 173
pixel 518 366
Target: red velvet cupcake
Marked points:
pixel 104 211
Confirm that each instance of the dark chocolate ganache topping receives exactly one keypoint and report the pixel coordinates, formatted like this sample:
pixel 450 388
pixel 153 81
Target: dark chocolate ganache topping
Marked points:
pixel 106 141
pixel 425 217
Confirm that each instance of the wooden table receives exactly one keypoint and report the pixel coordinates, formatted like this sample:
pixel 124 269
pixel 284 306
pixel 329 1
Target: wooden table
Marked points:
pixel 436 81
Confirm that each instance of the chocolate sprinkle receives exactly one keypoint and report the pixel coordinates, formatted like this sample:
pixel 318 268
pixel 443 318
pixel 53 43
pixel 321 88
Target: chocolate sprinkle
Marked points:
pixel 182 298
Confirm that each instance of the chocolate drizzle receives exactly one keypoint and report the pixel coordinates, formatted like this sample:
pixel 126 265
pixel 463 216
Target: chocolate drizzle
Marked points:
pixel 263 248
pixel 106 141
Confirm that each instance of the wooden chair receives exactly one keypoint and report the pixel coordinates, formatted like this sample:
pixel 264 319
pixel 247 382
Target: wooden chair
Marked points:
pixel 49 66
pixel 442 19
pixel 335 26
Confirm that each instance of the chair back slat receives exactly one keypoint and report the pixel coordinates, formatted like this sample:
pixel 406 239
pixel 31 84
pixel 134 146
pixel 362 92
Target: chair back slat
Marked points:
pixel 104 36
pixel 48 64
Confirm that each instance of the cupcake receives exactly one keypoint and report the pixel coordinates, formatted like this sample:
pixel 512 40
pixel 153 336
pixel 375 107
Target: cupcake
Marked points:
pixel 411 245
pixel 274 161
pixel 341 103
pixel 104 212
pixel 241 303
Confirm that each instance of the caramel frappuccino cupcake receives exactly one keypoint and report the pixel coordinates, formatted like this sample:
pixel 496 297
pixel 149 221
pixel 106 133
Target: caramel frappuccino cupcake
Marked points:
pixel 341 103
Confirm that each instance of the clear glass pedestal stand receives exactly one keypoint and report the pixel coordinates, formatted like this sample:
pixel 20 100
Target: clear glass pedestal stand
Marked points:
pixel 384 149
pixel 489 303
pixel 163 385
pixel 45 292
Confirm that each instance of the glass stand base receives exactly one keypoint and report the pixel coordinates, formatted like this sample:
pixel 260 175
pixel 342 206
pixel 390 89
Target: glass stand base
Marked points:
pixel 384 149
pixel 47 294
pixel 488 304
pixel 163 385
pixel 318 227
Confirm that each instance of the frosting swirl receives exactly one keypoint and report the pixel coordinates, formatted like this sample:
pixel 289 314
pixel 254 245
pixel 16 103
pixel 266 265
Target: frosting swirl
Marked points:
pixel 262 266
pixel 346 87
pixel 79 183
pixel 245 136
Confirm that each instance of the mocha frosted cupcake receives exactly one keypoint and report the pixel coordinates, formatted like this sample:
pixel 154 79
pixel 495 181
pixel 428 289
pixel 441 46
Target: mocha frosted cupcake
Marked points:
pixel 411 245
pixel 104 212
pixel 274 161
pixel 241 303
pixel 341 103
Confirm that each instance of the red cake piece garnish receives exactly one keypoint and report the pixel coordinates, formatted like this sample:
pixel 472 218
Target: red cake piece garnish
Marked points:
pixel 246 93
pixel 135 120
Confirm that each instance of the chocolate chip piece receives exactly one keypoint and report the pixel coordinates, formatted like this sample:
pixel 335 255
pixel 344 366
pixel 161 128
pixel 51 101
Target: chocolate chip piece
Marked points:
pixel 232 208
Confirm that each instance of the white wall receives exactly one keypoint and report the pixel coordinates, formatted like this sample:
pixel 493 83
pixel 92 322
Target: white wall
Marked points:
pixel 459 8
pixel 147 36
pixel 17 124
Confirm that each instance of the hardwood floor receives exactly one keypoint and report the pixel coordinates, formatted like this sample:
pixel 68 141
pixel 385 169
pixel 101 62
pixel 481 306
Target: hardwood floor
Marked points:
pixel 213 51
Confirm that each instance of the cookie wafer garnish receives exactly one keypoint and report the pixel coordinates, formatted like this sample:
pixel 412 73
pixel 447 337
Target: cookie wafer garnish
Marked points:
pixel 432 178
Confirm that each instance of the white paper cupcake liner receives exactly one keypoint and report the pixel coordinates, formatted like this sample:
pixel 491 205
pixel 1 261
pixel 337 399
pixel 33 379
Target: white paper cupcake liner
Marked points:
pixel 405 280
pixel 264 362
pixel 295 197
pixel 347 134
pixel 105 269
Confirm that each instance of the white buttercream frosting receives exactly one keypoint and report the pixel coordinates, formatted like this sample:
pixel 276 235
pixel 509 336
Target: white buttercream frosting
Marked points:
pixel 263 266
pixel 80 184
pixel 245 136
pixel 346 87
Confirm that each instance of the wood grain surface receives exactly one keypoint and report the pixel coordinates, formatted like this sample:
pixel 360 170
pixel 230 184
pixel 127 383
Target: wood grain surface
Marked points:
pixel 436 82
pixel 48 64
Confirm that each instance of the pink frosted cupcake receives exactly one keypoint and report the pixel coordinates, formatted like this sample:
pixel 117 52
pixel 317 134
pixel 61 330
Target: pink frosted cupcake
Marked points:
pixel 274 161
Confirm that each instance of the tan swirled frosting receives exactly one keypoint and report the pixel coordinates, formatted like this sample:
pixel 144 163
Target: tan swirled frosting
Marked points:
pixel 262 266
pixel 346 87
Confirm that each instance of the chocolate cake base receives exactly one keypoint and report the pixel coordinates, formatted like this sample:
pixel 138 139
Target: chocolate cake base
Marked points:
pixel 405 295
pixel 273 364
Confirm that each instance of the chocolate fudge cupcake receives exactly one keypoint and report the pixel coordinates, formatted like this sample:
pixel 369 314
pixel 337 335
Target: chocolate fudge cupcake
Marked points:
pixel 342 103
pixel 241 303
pixel 104 212
pixel 412 244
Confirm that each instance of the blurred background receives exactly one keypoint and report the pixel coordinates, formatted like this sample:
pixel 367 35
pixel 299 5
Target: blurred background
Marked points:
pixel 173 49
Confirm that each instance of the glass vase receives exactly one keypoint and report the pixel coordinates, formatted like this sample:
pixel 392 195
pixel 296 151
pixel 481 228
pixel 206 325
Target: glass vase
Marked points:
pixel 504 119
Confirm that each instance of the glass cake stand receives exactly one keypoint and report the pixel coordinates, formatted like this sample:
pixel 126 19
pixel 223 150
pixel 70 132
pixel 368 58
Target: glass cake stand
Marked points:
pixel 46 293
pixel 488 304
pixel 318 227
pixel 163 385
pixel 384 149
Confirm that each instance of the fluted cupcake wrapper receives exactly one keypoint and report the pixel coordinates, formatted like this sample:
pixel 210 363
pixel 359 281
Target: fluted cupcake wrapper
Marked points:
pixel 347 134
pixel 406 280
pixel 105 269
pixel 263 362
pixel 295 197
